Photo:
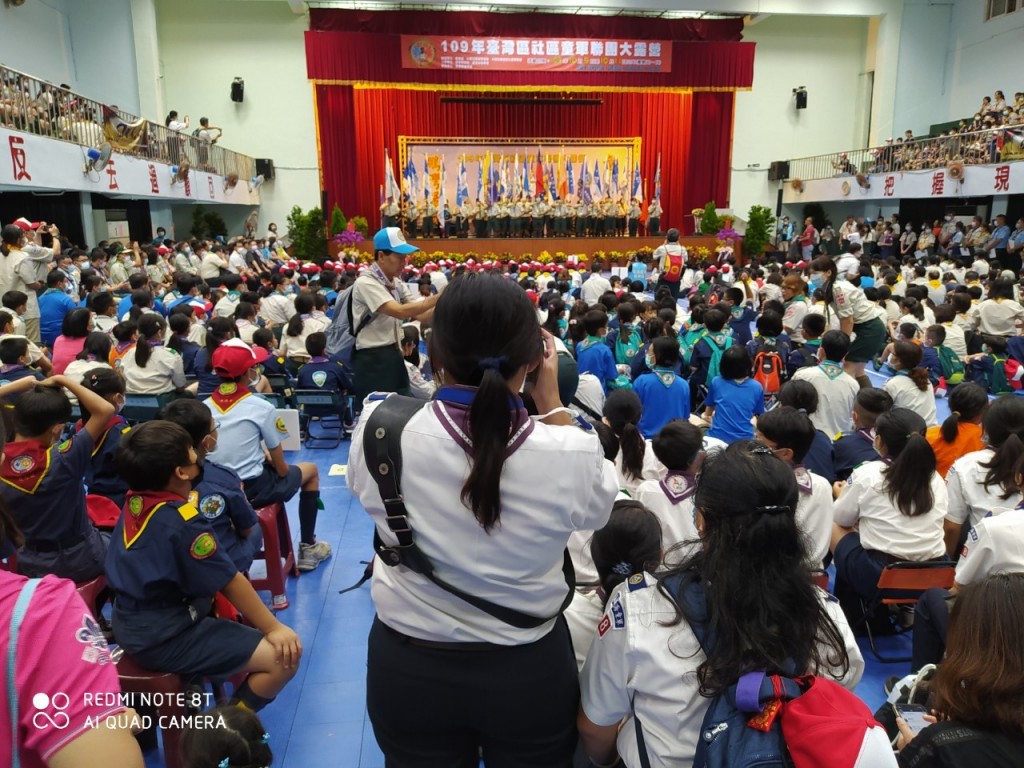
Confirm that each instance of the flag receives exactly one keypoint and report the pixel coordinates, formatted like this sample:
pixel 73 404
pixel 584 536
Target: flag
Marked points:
pixel 637 191
pixel 503 180
pixel 563 183
pixel 572 182
pixel 390 184
pixel 480 180
pixel 411 183
pixel 539 175
pixel 552 183
pixel 516 178
pixel 657 180
pixel 526 176
pixel 493 181
pixel 597 181
pixel 426 181
pixel 615 178
pixel 461 188
pixel 643 203
pixel 441 199
pixel 607 180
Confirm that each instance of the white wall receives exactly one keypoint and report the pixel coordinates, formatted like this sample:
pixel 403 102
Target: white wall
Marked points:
pixel 204 44
pixel 920 89
pixel 826 55
pixel 33 27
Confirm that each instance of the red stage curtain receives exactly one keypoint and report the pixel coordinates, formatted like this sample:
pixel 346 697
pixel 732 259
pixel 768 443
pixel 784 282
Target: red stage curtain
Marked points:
pixel 356 124
pixel 522 25
pixel 358 57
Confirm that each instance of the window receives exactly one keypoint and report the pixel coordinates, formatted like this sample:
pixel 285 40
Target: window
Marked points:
pixel 996 8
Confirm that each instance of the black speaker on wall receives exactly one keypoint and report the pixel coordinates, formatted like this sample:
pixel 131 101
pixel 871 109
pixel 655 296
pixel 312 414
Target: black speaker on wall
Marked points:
pixel 238 89
pixel 801 99
pixel 265 167
pixel 778 171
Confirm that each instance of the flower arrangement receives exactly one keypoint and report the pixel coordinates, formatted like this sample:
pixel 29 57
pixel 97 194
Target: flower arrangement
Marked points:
pixel 545 258
pixel 701 252
pixel 349 238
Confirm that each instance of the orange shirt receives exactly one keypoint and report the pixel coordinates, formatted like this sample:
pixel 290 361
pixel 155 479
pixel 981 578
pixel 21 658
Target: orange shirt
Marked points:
pixel 968 439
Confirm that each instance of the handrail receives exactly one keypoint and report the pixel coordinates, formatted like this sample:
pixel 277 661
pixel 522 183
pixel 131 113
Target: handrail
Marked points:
pixel 35 106
pixel 993 145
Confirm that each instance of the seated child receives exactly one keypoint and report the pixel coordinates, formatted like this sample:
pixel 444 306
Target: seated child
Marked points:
pixel 941 358
pixel 418 383
pixel 679 446
pixel 934 336
pixel 179 324
pixel 95 353
pixel 741 314
pixel 125 335
pixel 151 368
pixel 707 353
pixel 218 496
pixel 812 328
pixel 274 364
pixel 102 476
pixel 803 396
pixel 851 449
pixel 790 434
pixel 15 365
pixel 220 330
pixel 593 355
pixel 244 423
pixel 774 346
pixel 165 565
pixel 910 387
pixel 664 394
pixel 43 479
pixel 987 368
pixel 325 374
pixel 904 332
pixel 733 398
pixel 626 341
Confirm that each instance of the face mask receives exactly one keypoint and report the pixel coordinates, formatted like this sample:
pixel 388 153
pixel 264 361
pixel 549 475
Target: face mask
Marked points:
pixel 817 281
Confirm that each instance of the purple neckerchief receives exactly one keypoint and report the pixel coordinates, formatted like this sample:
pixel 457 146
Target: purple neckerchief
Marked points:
pixel 155 342
pixel 378 274
pixel 803 478
pixel 451 405
pixel 11 368
pixel 319 359
pixel 867 433
pixel 678 486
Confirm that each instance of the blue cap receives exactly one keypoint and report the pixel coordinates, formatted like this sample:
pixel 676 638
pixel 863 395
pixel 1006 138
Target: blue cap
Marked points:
pixel 392 239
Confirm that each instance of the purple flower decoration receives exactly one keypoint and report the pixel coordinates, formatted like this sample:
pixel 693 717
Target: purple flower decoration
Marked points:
pixel 348 238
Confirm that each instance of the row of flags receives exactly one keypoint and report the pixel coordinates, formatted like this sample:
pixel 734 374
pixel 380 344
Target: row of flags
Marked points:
pixel 497 179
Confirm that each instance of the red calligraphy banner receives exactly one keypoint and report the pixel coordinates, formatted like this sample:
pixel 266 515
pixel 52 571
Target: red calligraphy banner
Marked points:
pixel 523 54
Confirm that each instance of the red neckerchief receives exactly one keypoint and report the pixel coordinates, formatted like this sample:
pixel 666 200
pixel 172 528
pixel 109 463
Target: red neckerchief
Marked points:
pixel 139 508
pixel 228 395
pixel 25 464
pixel 115 421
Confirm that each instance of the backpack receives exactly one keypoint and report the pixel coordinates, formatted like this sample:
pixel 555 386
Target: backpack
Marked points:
pixel 768 371
pixel 687 342
pixel 774 721
pixel 999 383
pixel 341 338
pixel 716 354
pixel 1014 373
pixel 952 365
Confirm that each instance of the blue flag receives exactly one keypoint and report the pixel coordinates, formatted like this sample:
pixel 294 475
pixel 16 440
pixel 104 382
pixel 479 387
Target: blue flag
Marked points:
pixel 572 183
pixel 461 192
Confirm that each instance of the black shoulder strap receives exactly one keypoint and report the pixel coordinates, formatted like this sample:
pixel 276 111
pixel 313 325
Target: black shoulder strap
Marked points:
pixel 585 408
pixel 382 445
pixel 367 316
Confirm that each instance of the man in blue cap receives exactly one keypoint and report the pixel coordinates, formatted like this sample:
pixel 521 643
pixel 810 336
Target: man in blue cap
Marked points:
pixel 381 302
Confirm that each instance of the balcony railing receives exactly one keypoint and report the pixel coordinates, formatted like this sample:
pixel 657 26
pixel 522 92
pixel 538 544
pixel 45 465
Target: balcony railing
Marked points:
pixel 995 145
pixel 34 106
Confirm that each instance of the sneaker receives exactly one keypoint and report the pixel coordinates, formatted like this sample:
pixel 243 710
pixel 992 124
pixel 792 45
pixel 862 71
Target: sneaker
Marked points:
pixel 311 555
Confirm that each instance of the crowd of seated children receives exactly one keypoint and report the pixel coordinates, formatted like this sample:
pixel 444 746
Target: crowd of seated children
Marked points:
pixel 42 478
pixel 152 368
pixel 245 423
pixel 165 565
pixel 301 324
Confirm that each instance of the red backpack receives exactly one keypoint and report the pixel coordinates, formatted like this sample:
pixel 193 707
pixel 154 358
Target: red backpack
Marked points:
pixel 768 371
pixel 674 271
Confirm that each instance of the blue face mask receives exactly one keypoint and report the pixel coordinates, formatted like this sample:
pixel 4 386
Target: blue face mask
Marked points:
pixel 817 281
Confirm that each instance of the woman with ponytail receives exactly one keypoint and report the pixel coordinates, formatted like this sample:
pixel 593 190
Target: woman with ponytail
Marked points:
pixel 910 387
pixel 635 462
pixel 492 496
pixel 750 588
pixel 152 368
pixel 897 505
pixel 219 330
pixel 630 543
pixel 984 480
pixel 960 433
pixel 180 323
pixel 300 326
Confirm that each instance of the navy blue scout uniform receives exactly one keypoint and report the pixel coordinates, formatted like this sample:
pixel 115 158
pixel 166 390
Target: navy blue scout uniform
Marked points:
pixel 221 501
pixel 322 372
pixel 740 319
pixel 101 477
pixel 208 380
pixel 164 566
pixel 43 488
pixel 189 352
pixel 12 373
pixel 272 366
pixel 851 449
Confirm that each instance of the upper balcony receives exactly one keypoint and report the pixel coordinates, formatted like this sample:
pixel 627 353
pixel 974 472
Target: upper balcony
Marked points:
pixel 57 140
pixel 979 164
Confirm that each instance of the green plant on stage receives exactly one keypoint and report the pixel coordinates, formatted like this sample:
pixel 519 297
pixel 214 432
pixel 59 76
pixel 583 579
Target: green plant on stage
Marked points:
pixel 338 221
pixel 760 225
pixel 710 222
pixel 361 225
pixel 307 234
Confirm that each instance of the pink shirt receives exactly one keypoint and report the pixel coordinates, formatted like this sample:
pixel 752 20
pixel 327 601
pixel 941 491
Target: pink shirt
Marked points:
pixel 63 672
pixel 64 351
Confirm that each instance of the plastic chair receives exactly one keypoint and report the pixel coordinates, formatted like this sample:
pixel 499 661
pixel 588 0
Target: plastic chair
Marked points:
pixel 902 583
pixel 103 512
pixel 138 680
pixel 94 594
pixel 322 408
pixel 277 552
pixel 139 408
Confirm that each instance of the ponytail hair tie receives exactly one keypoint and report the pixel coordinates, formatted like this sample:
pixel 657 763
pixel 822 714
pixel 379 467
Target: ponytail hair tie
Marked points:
pixel 957 414
pixel 492 363
pixel 265 738
pixel 623 569
pixel 774 509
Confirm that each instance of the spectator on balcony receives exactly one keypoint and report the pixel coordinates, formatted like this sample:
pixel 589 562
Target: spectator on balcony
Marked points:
pixel 174 139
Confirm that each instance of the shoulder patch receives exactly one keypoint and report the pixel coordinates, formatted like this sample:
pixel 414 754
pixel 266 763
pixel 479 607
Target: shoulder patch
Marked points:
pixel 203 546
pixel 65 446
pixel 618 615
pixel 281 426
pixel 126 429
pixel 636 581
pixel 211 507
pixel 187 511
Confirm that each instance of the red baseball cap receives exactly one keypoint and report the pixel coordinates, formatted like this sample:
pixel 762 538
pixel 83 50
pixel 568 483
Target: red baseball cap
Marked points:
pixel 25 224
pixel 234 357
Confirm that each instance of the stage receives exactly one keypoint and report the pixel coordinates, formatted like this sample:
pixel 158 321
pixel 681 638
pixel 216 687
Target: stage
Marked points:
pixel 613 250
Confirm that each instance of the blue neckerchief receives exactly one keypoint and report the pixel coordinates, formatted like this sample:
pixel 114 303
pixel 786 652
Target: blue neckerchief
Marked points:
pixel 464 396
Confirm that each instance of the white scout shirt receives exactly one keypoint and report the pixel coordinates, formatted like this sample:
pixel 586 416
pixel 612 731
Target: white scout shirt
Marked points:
pixel 883 528
pixel 837 392
pixel 636 657
pixel 850 301
pixel 671 501
pixel 241 430
pixel 814 515
pixel 369 295
pixel 556 482
pixel 969 499
pixel 164 372
pixel 994 545
pixel 905 394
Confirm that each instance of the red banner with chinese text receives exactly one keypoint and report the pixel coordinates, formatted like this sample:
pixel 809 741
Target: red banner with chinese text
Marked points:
pixel 523 54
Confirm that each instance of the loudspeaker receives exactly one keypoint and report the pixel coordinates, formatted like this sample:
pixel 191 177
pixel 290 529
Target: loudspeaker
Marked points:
pixel 265 166
pixel 801 99
pixel 778 204
pixel 778 171
pixel 238 89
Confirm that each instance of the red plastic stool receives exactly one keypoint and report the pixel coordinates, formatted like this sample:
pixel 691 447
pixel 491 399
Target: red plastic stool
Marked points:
pixel 94 593
pixel 135 679
pixel 102 511
pixel 277 552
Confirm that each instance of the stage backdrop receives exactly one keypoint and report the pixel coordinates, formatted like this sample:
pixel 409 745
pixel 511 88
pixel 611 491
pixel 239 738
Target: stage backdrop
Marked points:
pixel 366 99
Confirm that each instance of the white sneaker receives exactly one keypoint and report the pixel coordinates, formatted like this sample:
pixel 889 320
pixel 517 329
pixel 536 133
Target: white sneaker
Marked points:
pixel 311 555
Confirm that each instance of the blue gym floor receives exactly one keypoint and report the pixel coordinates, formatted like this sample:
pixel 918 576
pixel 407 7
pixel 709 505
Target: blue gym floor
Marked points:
pixel 320 718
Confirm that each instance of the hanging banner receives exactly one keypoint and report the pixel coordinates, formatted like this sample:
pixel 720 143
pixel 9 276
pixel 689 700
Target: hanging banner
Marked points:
pixel 123 135
pixel 526 54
